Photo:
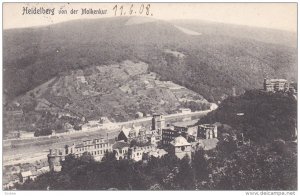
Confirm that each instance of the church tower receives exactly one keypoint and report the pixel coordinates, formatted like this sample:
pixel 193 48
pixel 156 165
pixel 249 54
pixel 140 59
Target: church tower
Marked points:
pixel 158 122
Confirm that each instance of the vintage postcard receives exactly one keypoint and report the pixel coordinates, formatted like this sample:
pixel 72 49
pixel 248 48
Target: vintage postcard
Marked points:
pixel 150 96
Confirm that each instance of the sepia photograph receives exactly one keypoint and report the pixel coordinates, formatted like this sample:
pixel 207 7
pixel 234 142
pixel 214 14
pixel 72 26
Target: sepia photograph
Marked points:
pixel 150 96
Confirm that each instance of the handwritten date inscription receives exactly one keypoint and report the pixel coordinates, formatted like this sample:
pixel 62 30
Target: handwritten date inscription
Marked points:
pixel 143 9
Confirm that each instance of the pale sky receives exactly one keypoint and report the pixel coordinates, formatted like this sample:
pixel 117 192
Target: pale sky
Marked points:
pixel 270 15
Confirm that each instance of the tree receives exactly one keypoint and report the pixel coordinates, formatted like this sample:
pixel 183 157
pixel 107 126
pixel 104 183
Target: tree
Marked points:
pixel 200 165
pixel 86 158
pixel 185 178
pixel 109 157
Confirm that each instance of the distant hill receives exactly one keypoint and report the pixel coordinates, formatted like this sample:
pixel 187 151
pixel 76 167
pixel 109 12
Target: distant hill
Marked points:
pixel 117 91
pixel 273 36
pixel 212 62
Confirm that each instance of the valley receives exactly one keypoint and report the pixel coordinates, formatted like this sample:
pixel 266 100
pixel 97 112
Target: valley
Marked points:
pixel 120 92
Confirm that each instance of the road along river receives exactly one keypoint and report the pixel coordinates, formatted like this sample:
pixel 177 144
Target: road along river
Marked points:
pixel 30 150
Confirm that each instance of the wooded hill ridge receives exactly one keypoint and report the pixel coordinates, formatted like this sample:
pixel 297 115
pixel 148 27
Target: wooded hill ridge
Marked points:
pixel 213 61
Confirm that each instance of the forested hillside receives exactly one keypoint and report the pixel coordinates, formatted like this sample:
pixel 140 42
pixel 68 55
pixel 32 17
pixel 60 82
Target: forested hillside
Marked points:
pixel 261 116
pixel 118 92
pixel 211 64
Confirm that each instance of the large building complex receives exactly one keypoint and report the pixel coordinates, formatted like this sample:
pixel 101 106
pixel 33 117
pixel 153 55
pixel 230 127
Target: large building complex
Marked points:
pixel 275 85
pixel 169 134
pixel 145 143
pixel 207 131
pixel 189 131
pixel 134 133
pixel 139 144
pixel 96 147
pixel 120 149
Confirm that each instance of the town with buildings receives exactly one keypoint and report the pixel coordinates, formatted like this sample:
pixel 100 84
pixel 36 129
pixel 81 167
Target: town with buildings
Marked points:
pixel 137 142
pixel 134 142
pixel 150 96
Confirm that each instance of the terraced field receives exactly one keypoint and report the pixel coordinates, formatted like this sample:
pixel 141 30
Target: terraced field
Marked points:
pixel 116 91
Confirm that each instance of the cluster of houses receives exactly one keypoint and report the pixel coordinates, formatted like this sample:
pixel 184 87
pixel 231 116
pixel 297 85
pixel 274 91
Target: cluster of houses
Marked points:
pixel 18 174
pixel 138 143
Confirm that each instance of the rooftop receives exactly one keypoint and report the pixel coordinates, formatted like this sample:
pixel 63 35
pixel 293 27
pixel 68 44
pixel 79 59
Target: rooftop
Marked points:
pixel 185 123
pixel 26 174
pixel 169 128
pixel 142 144
pixel 208 144
pixel 92 143
pixel 125 131
pixel 120 145
pixel 158 152
pixel 180 141
pixel 208 125
pixel 8 178
pixel 277 80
